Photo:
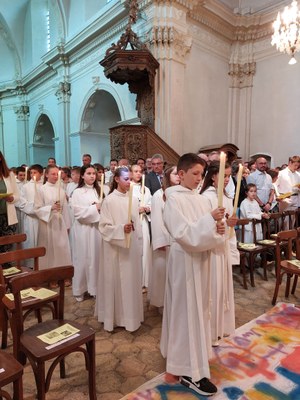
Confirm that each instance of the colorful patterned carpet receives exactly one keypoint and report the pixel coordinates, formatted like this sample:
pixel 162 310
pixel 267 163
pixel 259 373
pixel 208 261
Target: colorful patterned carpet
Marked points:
pixel 260 362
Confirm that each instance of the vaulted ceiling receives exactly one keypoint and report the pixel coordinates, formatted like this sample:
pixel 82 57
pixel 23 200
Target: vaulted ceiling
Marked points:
pixel 23 28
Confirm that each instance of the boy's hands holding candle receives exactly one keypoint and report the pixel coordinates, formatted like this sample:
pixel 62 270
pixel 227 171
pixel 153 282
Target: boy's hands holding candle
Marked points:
pixel 128 228
pixel 56 206
pixel 232 221
pixel 218 213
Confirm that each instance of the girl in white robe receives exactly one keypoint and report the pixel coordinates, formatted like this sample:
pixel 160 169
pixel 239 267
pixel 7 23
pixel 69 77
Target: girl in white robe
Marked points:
pixel 52 210
pixel 85 204
pixel 160 240
pixel 144 202
pixel 250 209
pixel 119 300
pixel 222 259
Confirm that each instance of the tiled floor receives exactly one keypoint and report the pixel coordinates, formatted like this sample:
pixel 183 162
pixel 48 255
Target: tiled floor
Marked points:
pixel 126 360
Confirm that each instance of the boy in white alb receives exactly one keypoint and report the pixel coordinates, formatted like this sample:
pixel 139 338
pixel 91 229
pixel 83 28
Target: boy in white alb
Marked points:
pixel 26 205
pixel 194 232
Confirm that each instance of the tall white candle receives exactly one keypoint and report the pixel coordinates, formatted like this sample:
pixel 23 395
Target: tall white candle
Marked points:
pixel 34 180
pixel 238 188
pixel 26 174
pixel 143 191
pixel 59 185
pixel 130 195
pixel 101 186
pixel 221 178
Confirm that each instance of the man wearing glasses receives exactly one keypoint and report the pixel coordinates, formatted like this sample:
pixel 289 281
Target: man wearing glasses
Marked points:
pixel 153 179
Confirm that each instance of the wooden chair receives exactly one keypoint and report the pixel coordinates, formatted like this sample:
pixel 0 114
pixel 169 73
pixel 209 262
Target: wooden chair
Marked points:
pixel 251 253
pixel 16 239
pixel 286 266
pixel 13 370
pixel 17 256
pixel 291 218
pixel 39 352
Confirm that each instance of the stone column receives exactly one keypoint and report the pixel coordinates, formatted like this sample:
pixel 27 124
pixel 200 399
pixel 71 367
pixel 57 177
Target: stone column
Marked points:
pixel 1 132
pixel 240 96
pixel 169 43
pixel 62 146
pixel 22 113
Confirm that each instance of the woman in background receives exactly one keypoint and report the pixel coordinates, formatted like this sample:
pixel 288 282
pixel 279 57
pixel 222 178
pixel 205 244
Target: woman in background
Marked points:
pixel 9 196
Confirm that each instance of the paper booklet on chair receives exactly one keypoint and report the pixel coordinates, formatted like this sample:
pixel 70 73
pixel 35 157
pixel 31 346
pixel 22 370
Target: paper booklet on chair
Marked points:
pixel 295 262
pixel 31 294
pixel 10 271
pixel 58 334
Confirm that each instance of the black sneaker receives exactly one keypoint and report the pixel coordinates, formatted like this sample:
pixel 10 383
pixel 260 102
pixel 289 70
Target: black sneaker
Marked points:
pixel 204 386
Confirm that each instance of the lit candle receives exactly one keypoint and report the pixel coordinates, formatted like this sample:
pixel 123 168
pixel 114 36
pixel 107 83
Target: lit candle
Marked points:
pixel 143 191
pixel 101 186
pixel 237 195
pixel 34 180
pixel 130 196
pixel 221 178
pixel 26 174
pixel 142 194
pixel 59 184
pixel 238 188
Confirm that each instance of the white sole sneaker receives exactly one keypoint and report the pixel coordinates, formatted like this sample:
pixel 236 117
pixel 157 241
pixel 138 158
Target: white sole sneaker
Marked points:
pixel 204 386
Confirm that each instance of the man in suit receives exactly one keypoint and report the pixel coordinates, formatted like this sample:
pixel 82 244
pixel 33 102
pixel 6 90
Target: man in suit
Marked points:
pixel 153 179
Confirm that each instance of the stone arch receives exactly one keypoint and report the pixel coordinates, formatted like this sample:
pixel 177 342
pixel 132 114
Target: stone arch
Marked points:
pixel 43 145
pixel 100 113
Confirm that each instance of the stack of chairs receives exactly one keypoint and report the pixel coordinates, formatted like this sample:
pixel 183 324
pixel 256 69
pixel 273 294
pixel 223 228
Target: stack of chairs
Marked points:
pixel 26 344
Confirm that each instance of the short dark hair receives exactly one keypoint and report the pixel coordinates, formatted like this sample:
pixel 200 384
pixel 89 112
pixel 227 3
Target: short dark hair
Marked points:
pixel 188 160
pixel 20 169
pixel 52 158
pixel 37 167
pixel 249 186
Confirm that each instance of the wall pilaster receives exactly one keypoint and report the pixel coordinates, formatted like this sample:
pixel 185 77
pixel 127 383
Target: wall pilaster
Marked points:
pixel 62 142
pixel 22 115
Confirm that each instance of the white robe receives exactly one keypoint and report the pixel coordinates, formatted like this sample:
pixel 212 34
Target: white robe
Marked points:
pixel 147 253
pixel 119 300
pixel 20 215
pixel 250 209
pixel 160 239
pixel 186 341
pixel 53 226
pixel 31 221
pixel 222 258
pixel 86 240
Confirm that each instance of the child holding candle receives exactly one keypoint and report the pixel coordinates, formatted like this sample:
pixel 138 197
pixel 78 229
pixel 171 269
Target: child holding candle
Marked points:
pixel 185 340
pixel 26 205
pixel 142 193
pixel 223 256
pixel 119 299
pixel 160 239
pixel 54 222
pixel 85 204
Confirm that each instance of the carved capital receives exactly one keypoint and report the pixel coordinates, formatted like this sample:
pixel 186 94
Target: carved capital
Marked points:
pixel 22 112
pixel 168 42
pixel 63 91
pixel 242 74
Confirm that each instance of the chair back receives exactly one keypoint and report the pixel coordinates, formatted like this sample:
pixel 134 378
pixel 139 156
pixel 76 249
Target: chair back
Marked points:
pixel 255 224
pixel 13 239
pixel 241 223
pixel 23 254
pixel 2 293
pixel 272 225
pixel 38 279
pixel 290 219
pixel 290 237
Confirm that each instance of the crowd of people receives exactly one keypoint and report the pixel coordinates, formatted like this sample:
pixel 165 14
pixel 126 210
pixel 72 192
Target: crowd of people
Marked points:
pixel 149 227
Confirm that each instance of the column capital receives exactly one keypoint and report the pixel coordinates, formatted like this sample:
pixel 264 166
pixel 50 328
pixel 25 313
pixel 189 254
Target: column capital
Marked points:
pixel 22 112
pixel 63 91
pixel 242 74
